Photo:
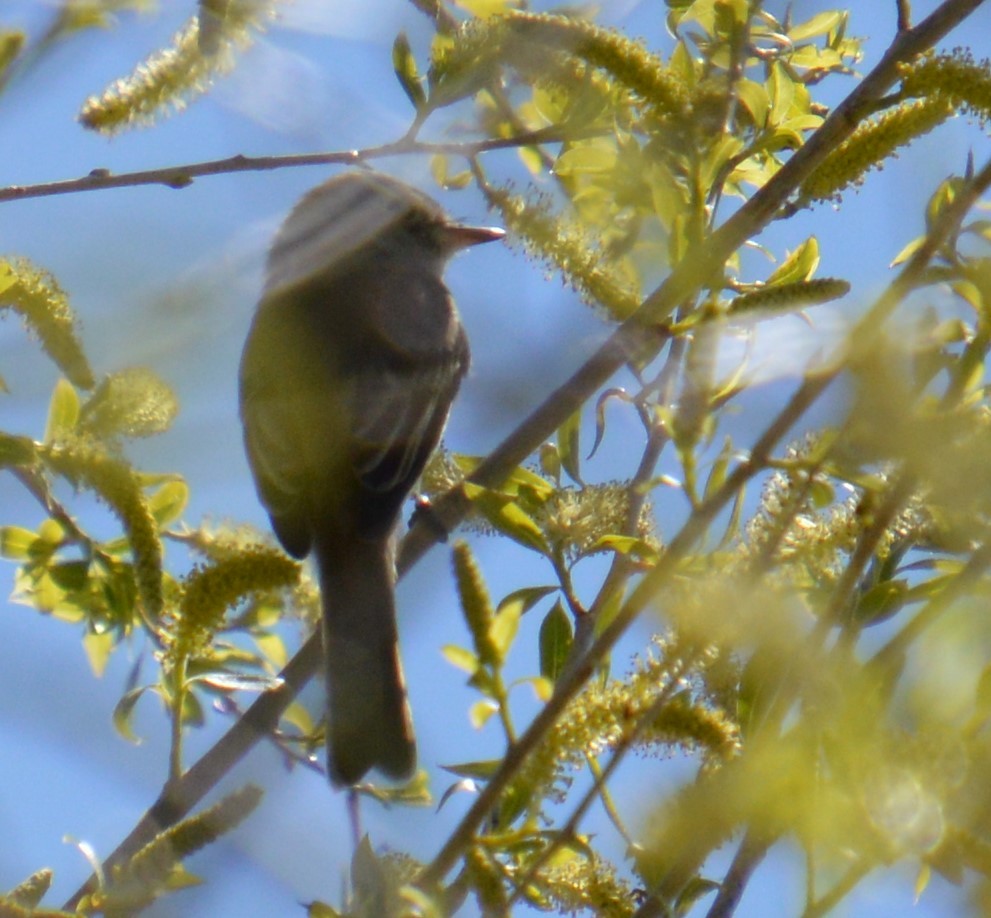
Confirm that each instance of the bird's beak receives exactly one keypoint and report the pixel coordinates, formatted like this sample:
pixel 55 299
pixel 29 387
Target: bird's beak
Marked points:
pixel 459 236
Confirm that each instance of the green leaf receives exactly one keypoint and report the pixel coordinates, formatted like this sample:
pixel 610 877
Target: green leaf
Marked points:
pixel 63 411
pixel 550 461
pixel 525 480
pixel 800 265
pixel 529 596
pixel 754 98
pixel 415 792
pixel 625 545
pixel 819 24
pixel 369 876
pixel 16 542
pixel 124 710
pixel 272 647
pixel 404 65
pixel 694 890
pixel 515 801
pixel 98 647
pixel 461 657
pixel 542 687
pixel 556 639
pixel 717 474
pixel 822 493
pixel 507 516
pixel 443 176
pixel 298 715
pixel 168 502
pixel 52 532
pixel 781 89
pixel 921 881
pixel 586 159
pixel 908 251
pixel 881 601
pixel 70 576
pixel 520 479
pixel 504 627
pixel 479 771
pixel 481 711
pixel 16 451
pixel 569 446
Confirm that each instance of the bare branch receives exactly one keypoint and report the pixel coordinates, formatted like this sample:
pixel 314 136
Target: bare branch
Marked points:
pixel 183 175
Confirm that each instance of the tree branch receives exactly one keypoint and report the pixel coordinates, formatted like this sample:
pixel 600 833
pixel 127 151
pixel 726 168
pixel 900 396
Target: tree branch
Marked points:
pixel 182 176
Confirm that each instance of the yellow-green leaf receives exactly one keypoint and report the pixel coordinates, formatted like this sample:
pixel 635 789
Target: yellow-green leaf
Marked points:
pixel 569 446
pixel 922 881
pixel 273 648
pixel 504 627
pixel 593 159
pixel 908 251
pixel 800 265
pixel 63 411
pixel 16 542
pixel 123 711
pixel 626 545
pixel 754 98
pixel 556 638
pixel 404 65
pixel 169 501
pixel 819 24
pixel 507 516
pixel 781 89
pixel 98 647
pixel 480 712
pixel 297 715
pixel 461 657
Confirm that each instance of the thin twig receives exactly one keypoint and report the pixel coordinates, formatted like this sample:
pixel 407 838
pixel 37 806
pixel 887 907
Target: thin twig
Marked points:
pixel 750 853
pixel 182 176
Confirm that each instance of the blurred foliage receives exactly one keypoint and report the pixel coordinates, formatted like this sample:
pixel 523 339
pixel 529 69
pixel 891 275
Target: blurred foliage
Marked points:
pixel 823 656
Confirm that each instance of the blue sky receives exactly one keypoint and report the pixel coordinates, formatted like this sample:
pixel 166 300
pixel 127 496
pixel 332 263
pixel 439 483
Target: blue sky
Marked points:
pixel 168 279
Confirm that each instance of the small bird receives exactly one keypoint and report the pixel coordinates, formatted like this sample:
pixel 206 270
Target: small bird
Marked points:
pixel 353 359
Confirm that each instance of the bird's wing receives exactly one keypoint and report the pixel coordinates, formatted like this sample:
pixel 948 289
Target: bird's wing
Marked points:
pixel 397 419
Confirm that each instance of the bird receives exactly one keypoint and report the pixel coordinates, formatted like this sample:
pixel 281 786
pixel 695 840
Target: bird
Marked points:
pixel 353 358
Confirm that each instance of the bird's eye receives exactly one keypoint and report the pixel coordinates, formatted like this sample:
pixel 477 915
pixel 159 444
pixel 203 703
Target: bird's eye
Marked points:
pixel 415 221
pixel 422 226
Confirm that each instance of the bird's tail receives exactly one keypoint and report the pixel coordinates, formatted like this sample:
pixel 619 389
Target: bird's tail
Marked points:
pixel 368 717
